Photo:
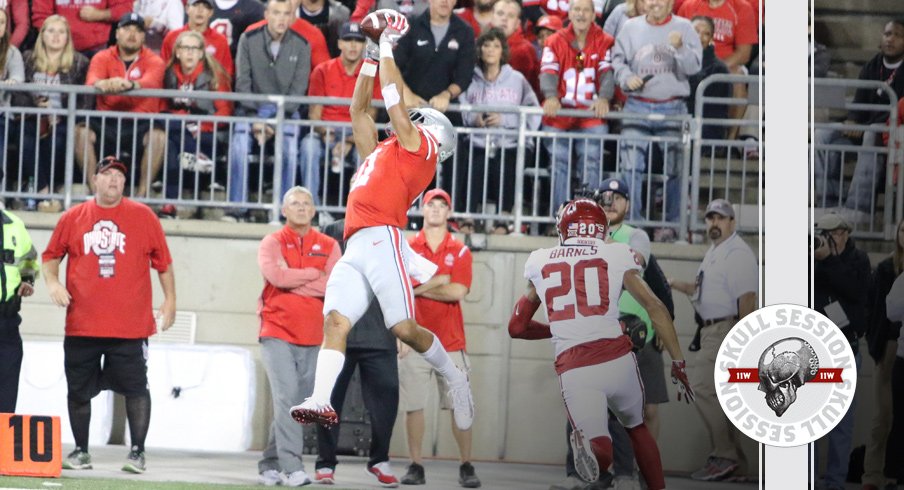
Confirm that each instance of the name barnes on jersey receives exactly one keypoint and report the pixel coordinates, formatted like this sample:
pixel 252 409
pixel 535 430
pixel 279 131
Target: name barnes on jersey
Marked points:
pixel 580 248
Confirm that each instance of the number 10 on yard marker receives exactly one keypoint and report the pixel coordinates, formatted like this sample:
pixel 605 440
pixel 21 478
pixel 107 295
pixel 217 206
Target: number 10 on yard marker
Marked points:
pixel 30 445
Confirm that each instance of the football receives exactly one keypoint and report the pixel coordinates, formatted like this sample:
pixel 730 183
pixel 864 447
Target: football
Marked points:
pixel 375 22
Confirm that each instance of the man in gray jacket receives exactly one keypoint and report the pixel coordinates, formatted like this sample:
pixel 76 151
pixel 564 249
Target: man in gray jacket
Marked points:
pixel 653 57
pixel 271 59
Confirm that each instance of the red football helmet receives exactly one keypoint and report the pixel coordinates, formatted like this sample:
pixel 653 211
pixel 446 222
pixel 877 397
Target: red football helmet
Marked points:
pixel 582 218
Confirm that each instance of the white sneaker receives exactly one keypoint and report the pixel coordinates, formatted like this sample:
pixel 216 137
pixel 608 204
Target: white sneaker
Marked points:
pixel 462 404
pixel 296 479
pixel 626 483
pixel 269 478
pixel 584 461
pixel 311 412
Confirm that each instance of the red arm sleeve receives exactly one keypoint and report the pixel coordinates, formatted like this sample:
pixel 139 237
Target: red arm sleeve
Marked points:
pixel 268 259
pixel 317 287
pixel 96 69
pixel 224 55
pixel 153 76
pixel 40 10
pixel 20 23
pixel 522 327
pixel 462 271
pixel 166 49
pixel 118 8
pixel 362 8
pixel 317 84
pixel 57 247
pixel 319 53
pixel 747 28
pixel 160 254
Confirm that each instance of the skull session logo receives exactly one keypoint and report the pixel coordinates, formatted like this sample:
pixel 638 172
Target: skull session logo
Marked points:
pixel 785 375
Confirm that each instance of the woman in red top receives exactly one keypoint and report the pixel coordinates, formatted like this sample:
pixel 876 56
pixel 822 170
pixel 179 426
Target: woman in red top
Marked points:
pixel 192 141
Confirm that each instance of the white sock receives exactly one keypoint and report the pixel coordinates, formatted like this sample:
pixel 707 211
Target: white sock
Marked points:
pixel 329 365
pixel 437 356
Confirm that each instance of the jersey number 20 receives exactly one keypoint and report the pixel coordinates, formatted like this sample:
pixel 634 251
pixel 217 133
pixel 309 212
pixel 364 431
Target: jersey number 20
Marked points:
pixel 575 278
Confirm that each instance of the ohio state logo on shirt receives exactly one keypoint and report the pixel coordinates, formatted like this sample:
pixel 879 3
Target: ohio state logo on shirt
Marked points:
pixel 103 240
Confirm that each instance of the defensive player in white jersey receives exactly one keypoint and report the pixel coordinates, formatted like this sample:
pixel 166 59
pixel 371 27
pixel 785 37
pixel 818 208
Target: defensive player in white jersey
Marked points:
pixel 579 283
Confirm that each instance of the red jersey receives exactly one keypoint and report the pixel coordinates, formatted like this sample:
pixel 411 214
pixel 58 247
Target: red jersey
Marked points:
pixel 215 44
pixel 734 20
pixel 147 70
pixel 291 304
pixel 523 58
pixel 440 317
pixel 107 274
pixel 388 181
pixel 331 80
pixel 86 35
pixel 310 33
pixel 579 72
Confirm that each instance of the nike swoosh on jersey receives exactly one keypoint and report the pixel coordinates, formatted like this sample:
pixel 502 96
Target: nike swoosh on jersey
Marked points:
pixel 377 242
pixel 422 42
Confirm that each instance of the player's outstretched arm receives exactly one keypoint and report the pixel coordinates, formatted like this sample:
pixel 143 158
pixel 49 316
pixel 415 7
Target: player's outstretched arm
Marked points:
pixel 364 129
pixel 521 325
pixel 392 85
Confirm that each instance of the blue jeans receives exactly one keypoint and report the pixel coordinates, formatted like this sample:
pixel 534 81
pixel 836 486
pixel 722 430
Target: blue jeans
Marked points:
pixel 310 160
pixel 238 160
pixel 635 154
pixel 589 162
pixel 869 172
pixel 840 440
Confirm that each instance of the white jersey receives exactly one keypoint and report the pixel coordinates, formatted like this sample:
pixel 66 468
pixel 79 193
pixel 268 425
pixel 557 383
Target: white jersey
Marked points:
pixel 579 286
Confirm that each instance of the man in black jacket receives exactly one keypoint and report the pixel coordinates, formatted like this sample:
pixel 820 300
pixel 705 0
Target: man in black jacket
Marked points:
pixel 870 169
pixel 841 280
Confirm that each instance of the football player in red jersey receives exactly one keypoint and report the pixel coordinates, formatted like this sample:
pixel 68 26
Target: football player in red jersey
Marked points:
pixel 378 261
pixel 593 355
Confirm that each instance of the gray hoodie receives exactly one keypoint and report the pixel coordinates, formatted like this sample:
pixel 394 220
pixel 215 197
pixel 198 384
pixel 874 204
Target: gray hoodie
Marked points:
pixel 643 49
pixel 509 88
pixel 258 72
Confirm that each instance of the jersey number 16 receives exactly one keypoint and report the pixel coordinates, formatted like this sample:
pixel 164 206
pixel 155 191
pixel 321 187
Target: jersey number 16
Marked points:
pixel 574 277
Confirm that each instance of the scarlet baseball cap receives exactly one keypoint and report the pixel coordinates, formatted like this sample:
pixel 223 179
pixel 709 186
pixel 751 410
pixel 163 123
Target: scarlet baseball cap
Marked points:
pixel 111 162
pixel 438 193
pixel 550 22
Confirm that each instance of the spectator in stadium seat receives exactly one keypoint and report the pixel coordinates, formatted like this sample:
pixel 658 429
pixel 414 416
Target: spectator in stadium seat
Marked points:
pixel 232 18
pixel 12 70
pixel 522 56
pixel 108 73
pixel 710 65
pixel 546 26
pixel 199 14
pixel 90 22
pixel 327 15
pixel 160 18
pixel 319 51
pixel 479 16
pixel 54 61
pixel 492 155
pixel 335 78
pixel 192 143
pixel 579 52
pixel 653 58
pixel 534 9
pixel 19 21
pixel 272 59
pixel 870 169
pixel 443 42
pixel 620 14
pixel 734 38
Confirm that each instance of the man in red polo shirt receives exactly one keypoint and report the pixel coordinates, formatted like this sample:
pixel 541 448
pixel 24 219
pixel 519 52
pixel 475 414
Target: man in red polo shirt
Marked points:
pixel 437 305
pixel 127 66
pixel 199 13
pixel 334 78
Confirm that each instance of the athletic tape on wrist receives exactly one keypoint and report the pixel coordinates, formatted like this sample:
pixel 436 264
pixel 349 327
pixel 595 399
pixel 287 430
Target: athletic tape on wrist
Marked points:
pixel 385 49
pixel 390 95
pixel 369 68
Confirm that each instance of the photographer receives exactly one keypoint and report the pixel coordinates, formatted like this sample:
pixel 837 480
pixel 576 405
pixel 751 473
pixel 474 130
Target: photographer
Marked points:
pixel 841 279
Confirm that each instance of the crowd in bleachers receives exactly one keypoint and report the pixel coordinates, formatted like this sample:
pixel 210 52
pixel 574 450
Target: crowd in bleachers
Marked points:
pixel 633 55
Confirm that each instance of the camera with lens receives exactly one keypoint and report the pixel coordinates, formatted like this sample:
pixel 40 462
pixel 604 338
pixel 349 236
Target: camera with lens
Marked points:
pixel 822 239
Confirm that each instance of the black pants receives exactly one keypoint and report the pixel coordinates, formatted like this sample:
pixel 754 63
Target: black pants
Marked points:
pixel 380 390
pixel 894 449
pixel 10 362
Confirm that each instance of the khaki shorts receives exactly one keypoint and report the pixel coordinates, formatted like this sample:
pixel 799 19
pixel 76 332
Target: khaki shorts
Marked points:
pixel 414 379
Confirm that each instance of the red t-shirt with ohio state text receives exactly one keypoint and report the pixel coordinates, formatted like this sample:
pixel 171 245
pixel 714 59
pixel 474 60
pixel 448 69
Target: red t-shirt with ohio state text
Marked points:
pixel 578 71
pixel 443 318
pixel 109 253
pixel 388 181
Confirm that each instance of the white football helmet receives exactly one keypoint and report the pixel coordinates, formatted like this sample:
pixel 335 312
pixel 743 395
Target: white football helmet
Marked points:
pixel 438 125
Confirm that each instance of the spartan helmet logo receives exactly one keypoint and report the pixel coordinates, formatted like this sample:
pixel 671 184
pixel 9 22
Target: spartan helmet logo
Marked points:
pixel 784 367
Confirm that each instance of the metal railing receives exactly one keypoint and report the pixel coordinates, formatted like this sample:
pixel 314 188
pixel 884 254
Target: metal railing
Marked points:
pixel 848 177
pixel 530 195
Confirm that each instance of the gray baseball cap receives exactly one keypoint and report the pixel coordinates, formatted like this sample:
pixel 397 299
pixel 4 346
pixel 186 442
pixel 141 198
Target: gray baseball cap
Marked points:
pixel 720 206
pixel 832 221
